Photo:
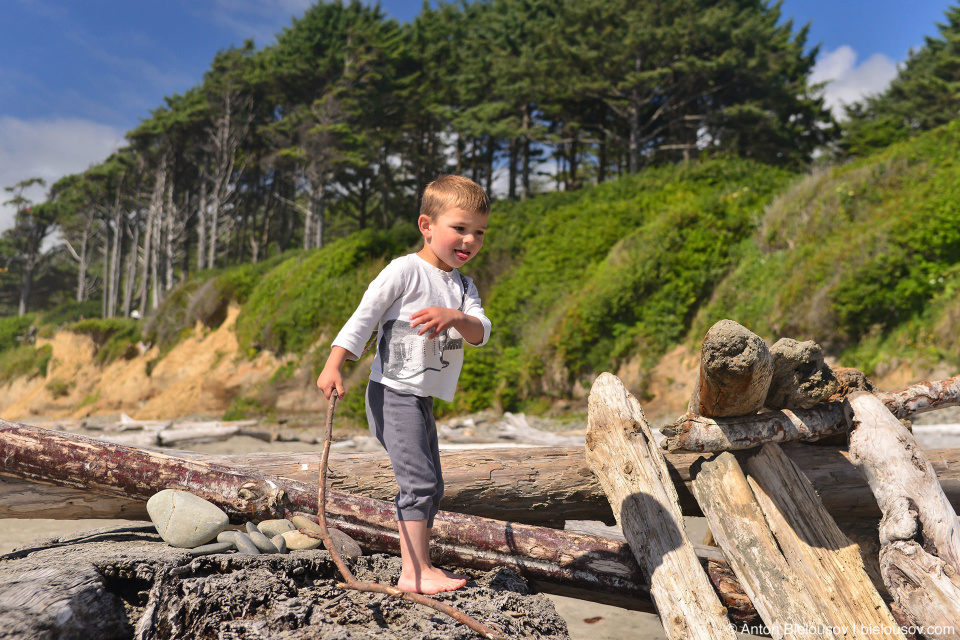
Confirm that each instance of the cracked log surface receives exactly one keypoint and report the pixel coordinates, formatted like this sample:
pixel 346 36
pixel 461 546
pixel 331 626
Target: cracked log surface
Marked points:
pixel 127 583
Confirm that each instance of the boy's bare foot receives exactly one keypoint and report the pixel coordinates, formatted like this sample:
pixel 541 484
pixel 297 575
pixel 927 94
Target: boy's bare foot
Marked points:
pixel 431 581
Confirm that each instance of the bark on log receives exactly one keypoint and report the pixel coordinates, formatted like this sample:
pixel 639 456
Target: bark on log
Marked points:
pixel 622 452
pixel 919 533
pixel 590 567
pixel 739 527
pixel 735 372
pixel 543 486
pixel 697 433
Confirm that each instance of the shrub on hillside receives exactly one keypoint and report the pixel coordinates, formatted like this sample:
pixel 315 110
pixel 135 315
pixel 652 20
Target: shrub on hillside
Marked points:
pixel 315 293
pixel 24 361
pixel 13 328
pixel 863 258
pixel 72 311
pixel 205 298
pixel 113 337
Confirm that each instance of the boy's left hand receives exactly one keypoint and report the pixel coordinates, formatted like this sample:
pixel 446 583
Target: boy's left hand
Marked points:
pixel 434 320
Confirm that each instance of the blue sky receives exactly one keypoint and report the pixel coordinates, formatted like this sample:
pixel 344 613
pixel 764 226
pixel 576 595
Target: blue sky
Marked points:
pixel 76 75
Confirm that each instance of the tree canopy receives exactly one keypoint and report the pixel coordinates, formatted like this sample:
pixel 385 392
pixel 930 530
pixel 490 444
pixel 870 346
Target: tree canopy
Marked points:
pixel 339 125
pixel 925 94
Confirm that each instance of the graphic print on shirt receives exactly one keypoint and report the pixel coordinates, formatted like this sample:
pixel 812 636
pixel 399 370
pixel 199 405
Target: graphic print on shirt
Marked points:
pixel 404 354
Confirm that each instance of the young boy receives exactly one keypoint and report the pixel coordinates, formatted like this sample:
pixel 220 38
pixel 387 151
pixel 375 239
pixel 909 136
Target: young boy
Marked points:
pixel 424 309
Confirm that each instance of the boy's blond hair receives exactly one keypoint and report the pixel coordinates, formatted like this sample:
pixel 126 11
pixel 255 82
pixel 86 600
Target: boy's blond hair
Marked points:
pixel 456 191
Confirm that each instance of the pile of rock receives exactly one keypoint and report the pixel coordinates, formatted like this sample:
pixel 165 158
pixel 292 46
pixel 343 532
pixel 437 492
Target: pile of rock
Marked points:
pixel 187 521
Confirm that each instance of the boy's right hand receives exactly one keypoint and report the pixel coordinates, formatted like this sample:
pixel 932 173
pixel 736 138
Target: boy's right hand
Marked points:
pixel 329 380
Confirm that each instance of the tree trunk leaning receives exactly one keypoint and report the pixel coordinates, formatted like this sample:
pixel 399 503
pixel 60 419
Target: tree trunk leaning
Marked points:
pixel 631 469
pixel 739 527
pixel 825 560
pixel 919 532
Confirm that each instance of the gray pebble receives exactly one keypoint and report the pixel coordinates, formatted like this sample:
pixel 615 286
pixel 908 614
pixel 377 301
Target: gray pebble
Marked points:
pixel 271 528
pixel 209 549
pixel 279 542
pixel 244 544
pixel 251 528
pixel 262 542
pixel 227 536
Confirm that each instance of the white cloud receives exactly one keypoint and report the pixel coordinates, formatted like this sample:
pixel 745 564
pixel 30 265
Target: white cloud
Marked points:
pixel 848 81
pixel 49 149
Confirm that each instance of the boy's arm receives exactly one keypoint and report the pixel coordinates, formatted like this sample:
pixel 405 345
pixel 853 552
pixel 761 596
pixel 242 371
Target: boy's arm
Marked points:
pixel 435 320
pixel 331 378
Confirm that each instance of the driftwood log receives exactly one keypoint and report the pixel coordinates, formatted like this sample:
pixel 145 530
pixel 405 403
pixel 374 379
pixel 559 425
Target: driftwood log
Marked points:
pixel 698 433
pixel 737 522
pixel 589 567
pixel 543 486
pixel 919 533
pixel 622 452
pixel 826 561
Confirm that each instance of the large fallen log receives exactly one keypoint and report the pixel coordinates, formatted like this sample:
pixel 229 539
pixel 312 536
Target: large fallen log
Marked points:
pixel 698 433
pixel 590 567
pixel 622 452
pixel 543 486
pixel 919 533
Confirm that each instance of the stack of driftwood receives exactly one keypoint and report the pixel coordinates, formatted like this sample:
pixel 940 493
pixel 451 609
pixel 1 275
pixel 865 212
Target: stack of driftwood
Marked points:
pixel 795 545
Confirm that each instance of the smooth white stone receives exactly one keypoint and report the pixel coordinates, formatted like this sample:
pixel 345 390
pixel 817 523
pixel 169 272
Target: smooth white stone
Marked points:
pixel 185 520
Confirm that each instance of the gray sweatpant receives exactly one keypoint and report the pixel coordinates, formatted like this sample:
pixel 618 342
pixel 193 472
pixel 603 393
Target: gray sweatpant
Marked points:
pixel 404 425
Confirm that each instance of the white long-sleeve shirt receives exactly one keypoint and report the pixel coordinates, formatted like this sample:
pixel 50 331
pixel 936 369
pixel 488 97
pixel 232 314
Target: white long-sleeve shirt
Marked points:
pixel 406 361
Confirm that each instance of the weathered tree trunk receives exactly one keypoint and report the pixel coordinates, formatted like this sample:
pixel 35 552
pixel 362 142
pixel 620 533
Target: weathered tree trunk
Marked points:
pixel 698 433
pixel 827 562
pixel 735 372
pixel 543 486
pixel 919 533
pixel 631 469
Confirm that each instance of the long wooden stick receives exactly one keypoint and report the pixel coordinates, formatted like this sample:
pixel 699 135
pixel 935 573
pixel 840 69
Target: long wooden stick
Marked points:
pixel 372 587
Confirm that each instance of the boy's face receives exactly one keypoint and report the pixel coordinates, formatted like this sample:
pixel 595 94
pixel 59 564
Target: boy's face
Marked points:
pixel 453 239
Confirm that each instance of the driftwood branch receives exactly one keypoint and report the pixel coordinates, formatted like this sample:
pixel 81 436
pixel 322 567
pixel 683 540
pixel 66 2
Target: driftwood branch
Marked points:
pixel 697 433
pixel 622 452
pixel 919 533
pixel 372 587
